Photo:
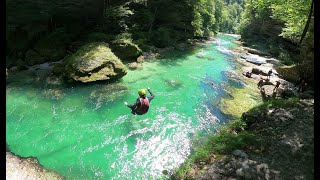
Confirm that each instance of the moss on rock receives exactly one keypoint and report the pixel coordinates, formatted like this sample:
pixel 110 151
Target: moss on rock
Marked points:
pixel 94 62
pixel 125 49
pixel 289 73
pixel 235 106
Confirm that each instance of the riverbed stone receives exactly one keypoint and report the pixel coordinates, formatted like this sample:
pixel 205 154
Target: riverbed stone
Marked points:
pixel 126 49
pixel 239 153
pixel 27 168
pixel 135 65
pixel 109 93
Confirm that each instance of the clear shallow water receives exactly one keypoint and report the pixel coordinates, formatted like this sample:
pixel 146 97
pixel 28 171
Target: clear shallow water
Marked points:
pixel 89 134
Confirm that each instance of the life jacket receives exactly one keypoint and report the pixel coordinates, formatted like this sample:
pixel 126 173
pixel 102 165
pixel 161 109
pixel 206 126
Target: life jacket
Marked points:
pixel 144 107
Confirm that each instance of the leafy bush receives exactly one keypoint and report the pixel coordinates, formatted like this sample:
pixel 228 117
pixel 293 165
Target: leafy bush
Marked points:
pixel 284 56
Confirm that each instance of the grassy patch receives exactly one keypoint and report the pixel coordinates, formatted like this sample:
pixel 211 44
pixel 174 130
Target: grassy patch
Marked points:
pixel 224 142
pixel 276 103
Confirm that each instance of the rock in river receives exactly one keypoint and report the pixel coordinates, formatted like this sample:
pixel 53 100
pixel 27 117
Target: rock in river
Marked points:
pixel 94 62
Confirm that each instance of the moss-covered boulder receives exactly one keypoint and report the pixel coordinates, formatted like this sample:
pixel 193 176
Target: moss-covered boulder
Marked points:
pixel 125 49
pixel 289 73
pixel 94 62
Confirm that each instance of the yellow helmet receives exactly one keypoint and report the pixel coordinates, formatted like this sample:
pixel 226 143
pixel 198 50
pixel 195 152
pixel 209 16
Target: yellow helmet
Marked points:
pixel 142 92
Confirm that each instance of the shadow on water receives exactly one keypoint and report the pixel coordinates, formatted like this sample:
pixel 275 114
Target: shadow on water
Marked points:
pixel 172 57
pixel 233 79
pixel 212 91
pixel 173 84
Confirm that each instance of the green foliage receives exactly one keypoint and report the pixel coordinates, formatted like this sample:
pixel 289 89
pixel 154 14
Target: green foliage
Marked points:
pixel 294 14
pixel 284 56
pixel 204 18
pixel 123 38
pixel 230 17
pixel 224 142
pixel 290 102
pixel 117 19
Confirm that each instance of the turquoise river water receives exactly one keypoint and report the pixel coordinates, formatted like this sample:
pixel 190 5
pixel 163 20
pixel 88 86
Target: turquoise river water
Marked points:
pixel 86 132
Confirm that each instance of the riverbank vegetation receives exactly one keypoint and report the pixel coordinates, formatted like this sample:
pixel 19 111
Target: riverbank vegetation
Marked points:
pixel 263 136
pixel 284 30
pixel 45 31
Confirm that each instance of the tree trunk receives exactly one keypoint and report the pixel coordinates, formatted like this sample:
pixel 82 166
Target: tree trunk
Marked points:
pixel 307 24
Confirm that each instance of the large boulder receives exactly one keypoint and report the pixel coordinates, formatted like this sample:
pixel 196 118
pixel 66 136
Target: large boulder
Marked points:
pixel 125 49
pixel 289 73
pixel 94 62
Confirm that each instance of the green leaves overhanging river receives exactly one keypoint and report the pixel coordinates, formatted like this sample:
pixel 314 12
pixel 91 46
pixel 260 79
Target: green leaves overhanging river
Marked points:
pixel 86 132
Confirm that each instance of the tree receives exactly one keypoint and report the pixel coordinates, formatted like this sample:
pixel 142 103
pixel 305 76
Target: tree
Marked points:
pixel 307 24
pixel 295 14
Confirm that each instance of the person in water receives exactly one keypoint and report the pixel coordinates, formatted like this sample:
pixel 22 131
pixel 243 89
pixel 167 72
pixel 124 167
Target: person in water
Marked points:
pixel 141 106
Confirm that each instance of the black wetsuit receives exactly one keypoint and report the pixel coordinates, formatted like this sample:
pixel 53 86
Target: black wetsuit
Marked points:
pixel 137 104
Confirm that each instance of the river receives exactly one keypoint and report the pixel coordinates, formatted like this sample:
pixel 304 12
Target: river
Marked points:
pixel 86 132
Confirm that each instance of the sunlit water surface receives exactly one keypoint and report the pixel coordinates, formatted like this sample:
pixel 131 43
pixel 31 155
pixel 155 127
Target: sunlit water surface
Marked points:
pixel 85 132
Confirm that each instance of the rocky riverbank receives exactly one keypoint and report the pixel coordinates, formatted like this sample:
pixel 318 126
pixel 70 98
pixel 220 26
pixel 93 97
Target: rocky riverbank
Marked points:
pixel 282 148
pixel 272 140
pixel 28 169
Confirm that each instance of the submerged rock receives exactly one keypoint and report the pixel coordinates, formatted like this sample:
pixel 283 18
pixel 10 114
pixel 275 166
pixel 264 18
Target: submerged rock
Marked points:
pixel 125 49
pixel 54 94
pixel 135 65
pixel 204 55
pixel 174 83
pixel 94 62
pixel 109 92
